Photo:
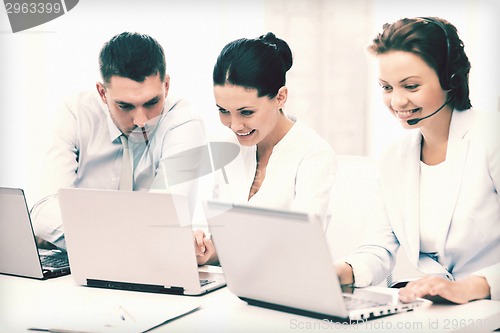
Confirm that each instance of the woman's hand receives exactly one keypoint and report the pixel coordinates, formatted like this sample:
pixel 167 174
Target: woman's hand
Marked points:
pixel 205 250
pixel 438 288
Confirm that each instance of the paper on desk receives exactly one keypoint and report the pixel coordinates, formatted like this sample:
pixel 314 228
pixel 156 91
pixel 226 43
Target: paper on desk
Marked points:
pixel 112 311
pixel 121 318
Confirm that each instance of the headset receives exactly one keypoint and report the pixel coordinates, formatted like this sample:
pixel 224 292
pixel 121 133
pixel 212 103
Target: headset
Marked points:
pixel 449 78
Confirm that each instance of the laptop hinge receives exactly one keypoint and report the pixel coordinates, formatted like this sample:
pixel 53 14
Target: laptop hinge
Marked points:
pixel 135 287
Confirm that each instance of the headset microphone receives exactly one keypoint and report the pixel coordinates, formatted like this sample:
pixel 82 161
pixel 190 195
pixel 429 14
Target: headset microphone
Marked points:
pixel 417 120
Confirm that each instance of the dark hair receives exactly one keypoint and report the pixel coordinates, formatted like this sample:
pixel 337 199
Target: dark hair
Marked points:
pixel 132 55
pixel 437 42
pixel 259 63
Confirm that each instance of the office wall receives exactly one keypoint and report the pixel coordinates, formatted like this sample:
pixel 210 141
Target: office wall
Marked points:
pixel 332 83
pixel 327 84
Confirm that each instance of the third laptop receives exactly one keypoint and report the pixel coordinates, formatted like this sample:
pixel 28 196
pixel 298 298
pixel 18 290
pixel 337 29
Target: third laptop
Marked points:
pixel 280 260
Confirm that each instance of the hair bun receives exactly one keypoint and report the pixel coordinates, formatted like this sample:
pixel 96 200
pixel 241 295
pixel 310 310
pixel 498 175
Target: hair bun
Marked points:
pixel 281 46
pixel 269 39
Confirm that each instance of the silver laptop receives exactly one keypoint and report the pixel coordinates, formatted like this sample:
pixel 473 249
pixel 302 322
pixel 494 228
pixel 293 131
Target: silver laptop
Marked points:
pixel 19 254
pixel 280 260
pixel 140 241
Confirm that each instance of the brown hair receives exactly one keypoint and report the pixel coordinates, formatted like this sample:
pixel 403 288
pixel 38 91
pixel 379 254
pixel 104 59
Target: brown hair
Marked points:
pixel 436 41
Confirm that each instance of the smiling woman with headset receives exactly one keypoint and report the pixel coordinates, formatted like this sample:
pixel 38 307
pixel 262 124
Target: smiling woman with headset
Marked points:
pixel 439 186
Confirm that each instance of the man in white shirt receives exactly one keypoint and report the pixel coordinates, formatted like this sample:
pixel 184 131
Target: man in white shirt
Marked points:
pixel 130 106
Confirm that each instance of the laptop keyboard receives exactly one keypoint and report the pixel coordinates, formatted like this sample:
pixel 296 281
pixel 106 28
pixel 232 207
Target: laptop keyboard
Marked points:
pixel 354 303
pixel 53 261
pixel 204 282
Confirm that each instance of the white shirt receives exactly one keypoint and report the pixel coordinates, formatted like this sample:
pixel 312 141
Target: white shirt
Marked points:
pixel 86 152
pixel 431 198
pixel 299 175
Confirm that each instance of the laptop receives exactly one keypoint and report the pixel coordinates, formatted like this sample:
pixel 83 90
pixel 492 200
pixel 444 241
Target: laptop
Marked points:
pixel 140 241
pixel 280 260
pixel 19 254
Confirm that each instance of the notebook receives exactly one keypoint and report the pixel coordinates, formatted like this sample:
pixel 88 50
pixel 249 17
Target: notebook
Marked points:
pixel 19 254
pixel 141 241
pixel 280 260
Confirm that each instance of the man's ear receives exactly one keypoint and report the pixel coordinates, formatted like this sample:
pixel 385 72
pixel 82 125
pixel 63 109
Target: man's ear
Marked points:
pixel 102 91
pixel 167 84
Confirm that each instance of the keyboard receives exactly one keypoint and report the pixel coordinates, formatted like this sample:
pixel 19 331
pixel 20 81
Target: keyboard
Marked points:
pixel 353 303
pixel 54 261
pixel 204 282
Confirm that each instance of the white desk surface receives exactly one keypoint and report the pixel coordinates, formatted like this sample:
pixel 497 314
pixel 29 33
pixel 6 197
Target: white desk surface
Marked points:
pixel 23 300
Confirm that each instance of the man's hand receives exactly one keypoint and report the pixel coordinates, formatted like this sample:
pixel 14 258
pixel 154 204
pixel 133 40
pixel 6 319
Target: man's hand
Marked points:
pixel 43 244
pixel 344 272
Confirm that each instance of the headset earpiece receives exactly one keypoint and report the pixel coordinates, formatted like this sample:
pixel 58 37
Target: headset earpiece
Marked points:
pixel 455 81
pixel 448 84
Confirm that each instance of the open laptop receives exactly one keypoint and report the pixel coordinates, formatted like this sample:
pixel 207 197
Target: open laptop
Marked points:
pixel 141 241
pixel 19 254
pixel 280 260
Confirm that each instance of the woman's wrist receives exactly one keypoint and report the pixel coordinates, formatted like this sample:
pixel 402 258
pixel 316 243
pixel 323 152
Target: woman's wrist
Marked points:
pixel 477 287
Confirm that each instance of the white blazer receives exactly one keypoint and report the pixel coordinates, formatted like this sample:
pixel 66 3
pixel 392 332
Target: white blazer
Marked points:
pixel 468 238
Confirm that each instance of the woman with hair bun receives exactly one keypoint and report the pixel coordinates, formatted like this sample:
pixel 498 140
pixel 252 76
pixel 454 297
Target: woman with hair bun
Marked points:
pixel 283 164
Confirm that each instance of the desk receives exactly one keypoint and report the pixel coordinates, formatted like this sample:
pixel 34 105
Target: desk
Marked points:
pixel 24 299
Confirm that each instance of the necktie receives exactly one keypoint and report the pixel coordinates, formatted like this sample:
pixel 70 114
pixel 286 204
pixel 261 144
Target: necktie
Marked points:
pixel 126 177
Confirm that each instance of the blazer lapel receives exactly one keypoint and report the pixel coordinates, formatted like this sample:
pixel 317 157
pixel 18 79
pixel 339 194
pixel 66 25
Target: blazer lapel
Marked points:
pixel 456 156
